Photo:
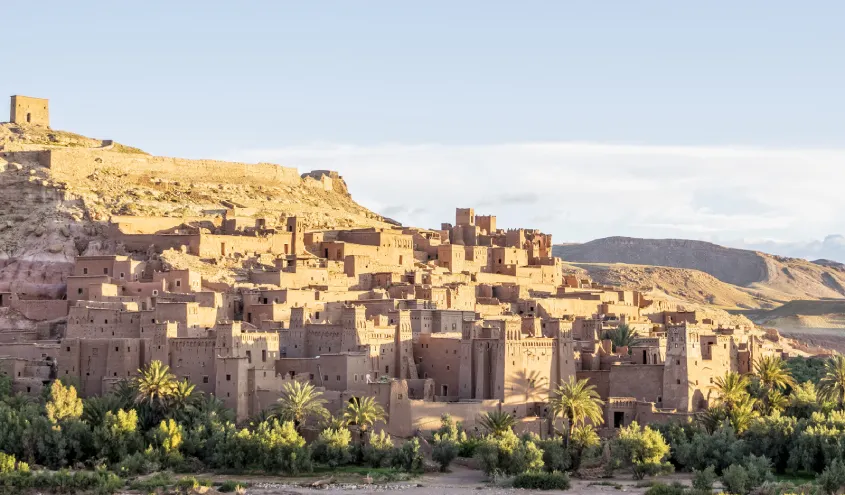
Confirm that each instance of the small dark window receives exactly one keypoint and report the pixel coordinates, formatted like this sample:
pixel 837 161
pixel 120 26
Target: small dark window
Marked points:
pixel 205 379
pixel 229 378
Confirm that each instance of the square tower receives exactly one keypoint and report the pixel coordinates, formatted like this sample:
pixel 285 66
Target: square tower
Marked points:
pixel 28 110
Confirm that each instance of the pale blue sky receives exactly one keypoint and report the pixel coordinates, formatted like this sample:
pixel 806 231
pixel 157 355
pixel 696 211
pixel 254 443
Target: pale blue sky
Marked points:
pixel 274 80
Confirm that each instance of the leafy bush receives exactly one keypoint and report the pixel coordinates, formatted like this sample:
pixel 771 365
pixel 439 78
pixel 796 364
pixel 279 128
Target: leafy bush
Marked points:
pixel 735 479
pixel 332 447
pixel 138 463
pixel 408 457
pixel 704 479
pixel 467 446
pixel 7 463
pixel 507 453
pixel 191 483
pixel 444 451
pixel 555 480
pixel 832 479
pixel 556 456
pixel 379 449
pixel 99 482
pixel 154 482
pixel 759 470
pixel 720 450
pixel 230 486
pixel 642 450
pixel 281 448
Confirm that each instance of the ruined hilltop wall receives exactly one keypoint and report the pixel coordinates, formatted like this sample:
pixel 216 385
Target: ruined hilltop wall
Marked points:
pixel 79 163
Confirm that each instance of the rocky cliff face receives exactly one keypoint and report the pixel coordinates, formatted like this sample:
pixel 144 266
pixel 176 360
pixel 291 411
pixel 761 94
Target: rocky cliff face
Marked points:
pixel 49 216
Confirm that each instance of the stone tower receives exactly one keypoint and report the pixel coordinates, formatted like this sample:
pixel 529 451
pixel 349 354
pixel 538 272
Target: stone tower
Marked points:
pixel 29 111
pixel 683 359
pixel 403 344
pixel 354 321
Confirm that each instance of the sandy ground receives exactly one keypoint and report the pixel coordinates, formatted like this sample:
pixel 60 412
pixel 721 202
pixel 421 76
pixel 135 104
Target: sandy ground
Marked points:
pixel 461 481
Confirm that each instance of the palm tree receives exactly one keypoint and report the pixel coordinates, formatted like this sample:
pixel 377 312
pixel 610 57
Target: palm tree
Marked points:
pixel 774 401
pixel 156 385
pixel 578 402
pixel 497 422
pixel 732 389
pixel 622 336
pixel 186 394
pixel 125 392
pixel 713 418
pixel 741 414
pixel 94 409
pixel 773 373
pixel 363 413
pixel 299 402
pixel 832 383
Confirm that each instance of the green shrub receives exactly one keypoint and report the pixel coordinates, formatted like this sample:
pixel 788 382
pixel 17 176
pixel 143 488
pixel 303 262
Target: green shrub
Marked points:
pixel 98 482
pixel 190 483
pixel 279 447
pixel 7 463
pixel 332 447
pixel 720 450
pixel 735 479
pixel 664 489
pixel 467 446
pixel 151 484
pixel 759 470
pixel 138 463
pixel 230 486
pixel 643 450
pixel 508 454
pixel 379 449
pixel 832 479
pixel 444 451
pixel 704 479
pixel 555 480
pixel 556 456
pixel 408 457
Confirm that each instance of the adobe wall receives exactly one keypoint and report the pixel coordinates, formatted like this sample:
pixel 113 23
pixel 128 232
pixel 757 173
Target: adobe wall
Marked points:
pixel 151 225
pixel 223 245
pixel 600 379
pixel 425 416
pixel 193 359
pixel 439 358
pixel 161 242
pixel 643 382
pixel 80 163
pixel 41 309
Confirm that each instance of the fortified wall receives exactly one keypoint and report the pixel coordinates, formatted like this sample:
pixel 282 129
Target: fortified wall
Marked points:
pixel 79 163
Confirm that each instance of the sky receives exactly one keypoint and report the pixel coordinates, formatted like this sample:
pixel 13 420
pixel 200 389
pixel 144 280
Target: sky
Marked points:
pixel 719 121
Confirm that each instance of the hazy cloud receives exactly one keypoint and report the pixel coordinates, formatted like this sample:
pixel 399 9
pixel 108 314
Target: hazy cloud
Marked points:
pixel 581 191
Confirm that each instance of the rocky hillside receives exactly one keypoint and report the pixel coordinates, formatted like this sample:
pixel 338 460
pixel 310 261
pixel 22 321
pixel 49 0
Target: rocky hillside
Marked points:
pixel 47 217
pixel 765 279
pixel 675 284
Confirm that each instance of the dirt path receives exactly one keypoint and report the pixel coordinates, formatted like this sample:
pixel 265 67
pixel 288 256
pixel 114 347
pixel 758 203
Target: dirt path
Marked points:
pixel 461 481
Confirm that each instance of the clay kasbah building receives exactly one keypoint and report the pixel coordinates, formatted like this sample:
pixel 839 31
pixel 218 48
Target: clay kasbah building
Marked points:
pixel 462 319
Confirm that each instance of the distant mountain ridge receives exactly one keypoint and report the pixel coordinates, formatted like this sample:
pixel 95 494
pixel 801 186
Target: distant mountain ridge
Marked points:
pixel 768 278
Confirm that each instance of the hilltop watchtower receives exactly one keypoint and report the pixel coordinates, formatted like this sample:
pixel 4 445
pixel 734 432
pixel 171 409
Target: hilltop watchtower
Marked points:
pixel 29 110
